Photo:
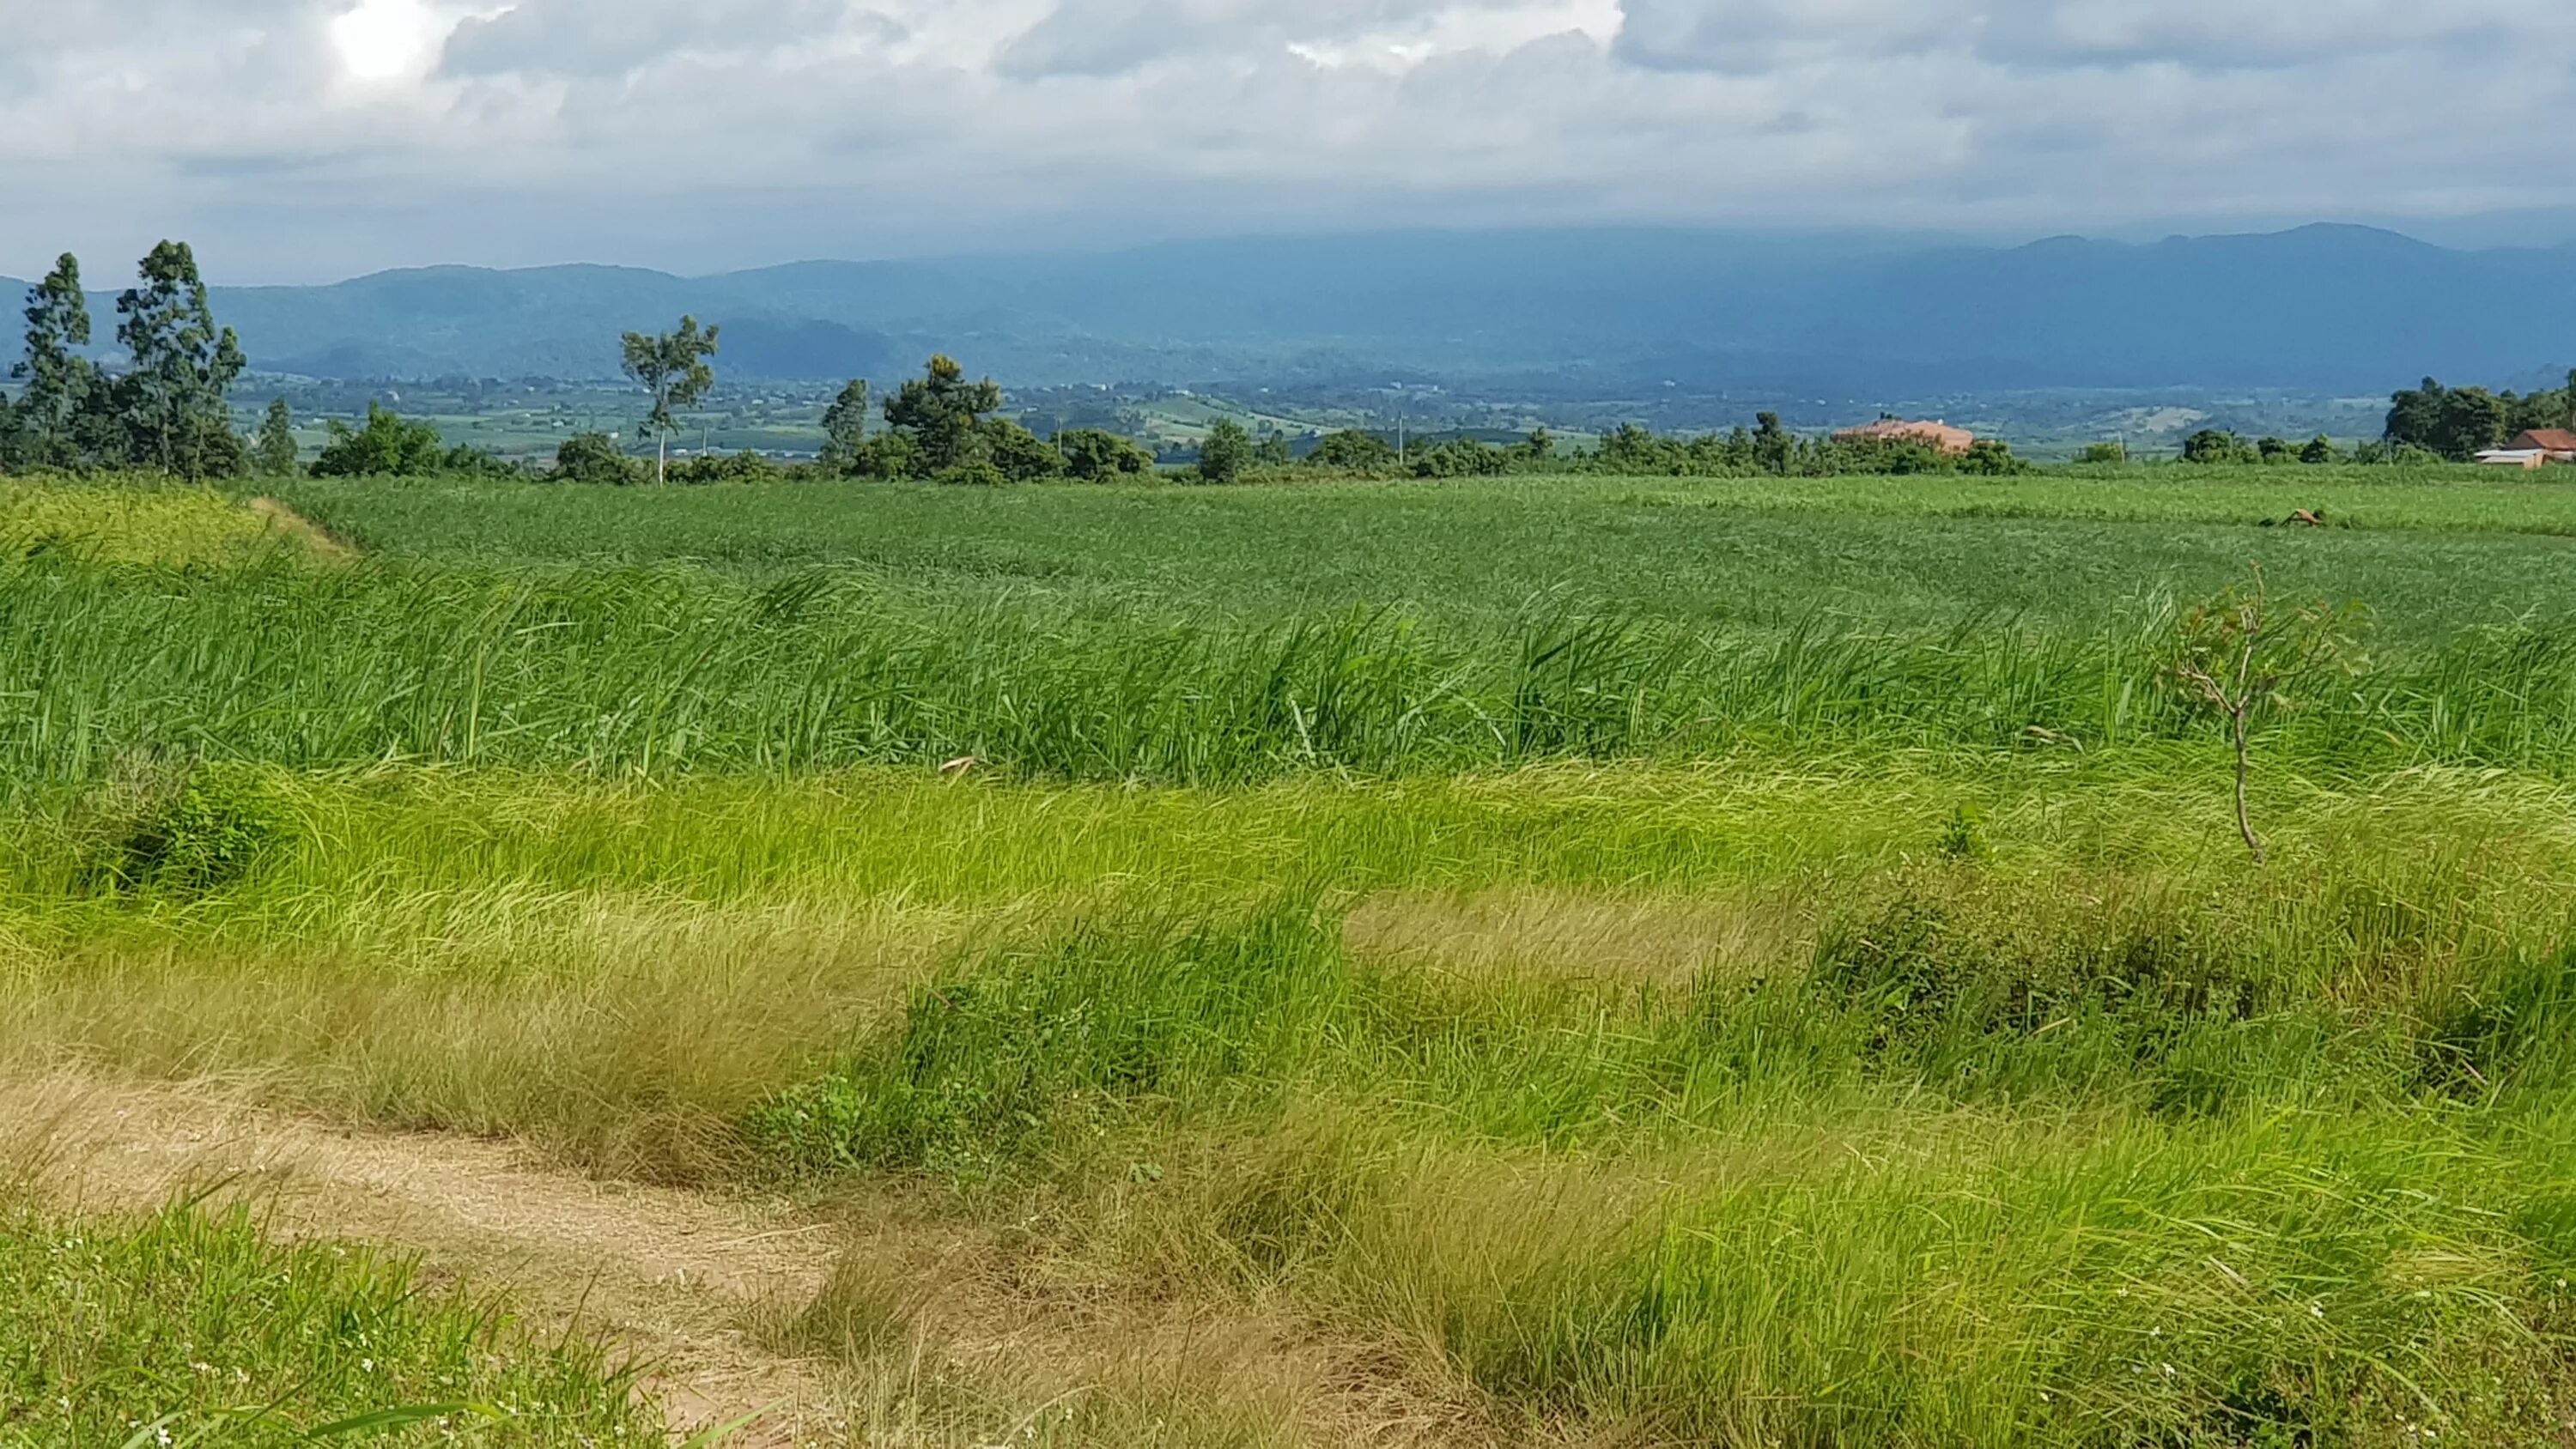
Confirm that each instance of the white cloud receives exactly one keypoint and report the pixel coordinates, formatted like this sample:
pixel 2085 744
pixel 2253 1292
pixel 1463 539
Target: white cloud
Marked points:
pixel 302 137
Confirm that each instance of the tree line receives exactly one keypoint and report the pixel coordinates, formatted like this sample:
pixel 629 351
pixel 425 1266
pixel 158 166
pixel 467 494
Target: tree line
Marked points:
pixel 166 413
pixel 2458 423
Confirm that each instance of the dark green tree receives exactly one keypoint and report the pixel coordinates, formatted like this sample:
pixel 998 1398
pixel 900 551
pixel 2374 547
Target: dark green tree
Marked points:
pixel 275 452
pixel 939 412
pixel 1226 453
pixel 1353 449
pixel 592 458
pixel 172 401
pixel 1773 448
pixel 1019 455
pixel 672 369
pixel 845 426
pixel 1539 446
pixel 1097 456
pixel 1272 451
pixel 2216 445
pixel 387 447
pixel 2456 422
pixel 59 384
pixel 2320 451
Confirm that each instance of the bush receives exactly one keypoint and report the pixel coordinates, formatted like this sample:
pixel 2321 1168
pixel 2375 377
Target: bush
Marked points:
pixel 973 473
pixel 1352 449
pixel 1018 454
pixel 745 467
pixel 386 447
pixel 1095 456
pixel 594 458
pixel 1227 452
pixel 187 834
pixel 2104 453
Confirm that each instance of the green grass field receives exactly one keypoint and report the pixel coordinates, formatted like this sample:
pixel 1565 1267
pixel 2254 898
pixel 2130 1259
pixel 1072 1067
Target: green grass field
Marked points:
pixel 2433 553
pixel 1539 962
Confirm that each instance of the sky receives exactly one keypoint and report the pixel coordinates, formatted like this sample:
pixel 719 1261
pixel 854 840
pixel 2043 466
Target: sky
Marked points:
pixel 304 140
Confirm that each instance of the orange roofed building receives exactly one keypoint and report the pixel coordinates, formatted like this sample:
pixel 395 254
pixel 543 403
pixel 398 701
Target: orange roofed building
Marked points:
pixel 2558 445
pixel 1941 436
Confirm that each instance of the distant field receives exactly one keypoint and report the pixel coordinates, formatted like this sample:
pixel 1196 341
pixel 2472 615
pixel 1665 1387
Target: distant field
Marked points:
pixel 2430 554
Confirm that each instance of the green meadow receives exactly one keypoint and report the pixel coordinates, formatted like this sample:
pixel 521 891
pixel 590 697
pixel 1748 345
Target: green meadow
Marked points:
pixel 1572 961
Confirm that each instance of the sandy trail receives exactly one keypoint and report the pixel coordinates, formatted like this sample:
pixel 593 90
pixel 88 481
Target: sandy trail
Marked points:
pixel 670 1276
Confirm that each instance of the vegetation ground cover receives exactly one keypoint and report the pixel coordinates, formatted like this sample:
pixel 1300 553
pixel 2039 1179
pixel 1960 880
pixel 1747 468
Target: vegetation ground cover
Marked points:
pixel 1859 1028
pixel 188 1328
pixel 2433 553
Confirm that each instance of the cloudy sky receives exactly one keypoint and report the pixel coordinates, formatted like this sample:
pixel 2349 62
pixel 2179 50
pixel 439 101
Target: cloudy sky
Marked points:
pixel 311 139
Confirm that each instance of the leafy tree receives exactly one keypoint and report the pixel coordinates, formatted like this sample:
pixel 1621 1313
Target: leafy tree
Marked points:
pixel 172 402
pixel 939 413
pixel 1096 456
pixel 275 452
pixel 845 426
pixel 2241 655
pixel 887 455
pixel 2455 422
pixel 2104 453
pixel 1991 457
pixel 59 383
pixel 1539 446
pixel 2320 451
pixel 742 467
pixel 2274 450
pixel 387 447
pixel 1019 455
pixel 2216 445
pixel 1226 453
pixel 672 368
pixel 592 458
pixel 1273 451
pixel 1462 458
pixel 1773 448
pixel 1352 449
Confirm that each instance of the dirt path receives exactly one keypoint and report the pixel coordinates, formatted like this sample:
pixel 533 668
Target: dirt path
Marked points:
pixel 670 1276
pixel 677 1278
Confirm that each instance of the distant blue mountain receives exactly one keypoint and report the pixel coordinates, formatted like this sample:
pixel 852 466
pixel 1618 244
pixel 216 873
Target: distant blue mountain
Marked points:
pixel 2321 307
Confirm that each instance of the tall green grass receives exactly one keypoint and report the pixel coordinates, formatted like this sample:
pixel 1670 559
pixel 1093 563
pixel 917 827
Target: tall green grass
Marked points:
pixel 671 671
pixel 2434 553
pixel 1986 1170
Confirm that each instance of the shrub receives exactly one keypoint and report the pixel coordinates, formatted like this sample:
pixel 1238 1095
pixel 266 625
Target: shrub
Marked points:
pixel 1227 452
pixel 594 458
pixel 387 446
pixel 1095 456
pixel 187 834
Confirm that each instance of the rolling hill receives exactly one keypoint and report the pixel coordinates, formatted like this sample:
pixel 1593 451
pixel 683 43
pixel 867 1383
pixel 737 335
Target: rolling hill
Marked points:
pixel 2321 307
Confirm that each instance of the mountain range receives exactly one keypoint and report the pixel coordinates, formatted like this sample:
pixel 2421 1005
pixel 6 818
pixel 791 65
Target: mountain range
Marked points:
pixel 2321 307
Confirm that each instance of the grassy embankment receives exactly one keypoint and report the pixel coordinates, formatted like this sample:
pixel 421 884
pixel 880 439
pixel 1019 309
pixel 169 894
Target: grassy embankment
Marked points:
pixel 1742 1038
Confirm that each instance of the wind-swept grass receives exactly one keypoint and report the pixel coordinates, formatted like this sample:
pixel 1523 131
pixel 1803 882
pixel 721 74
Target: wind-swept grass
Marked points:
pixel 660 672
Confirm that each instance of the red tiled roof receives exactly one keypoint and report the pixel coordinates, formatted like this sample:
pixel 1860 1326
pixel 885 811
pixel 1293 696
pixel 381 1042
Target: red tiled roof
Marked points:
pixel 2548 440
